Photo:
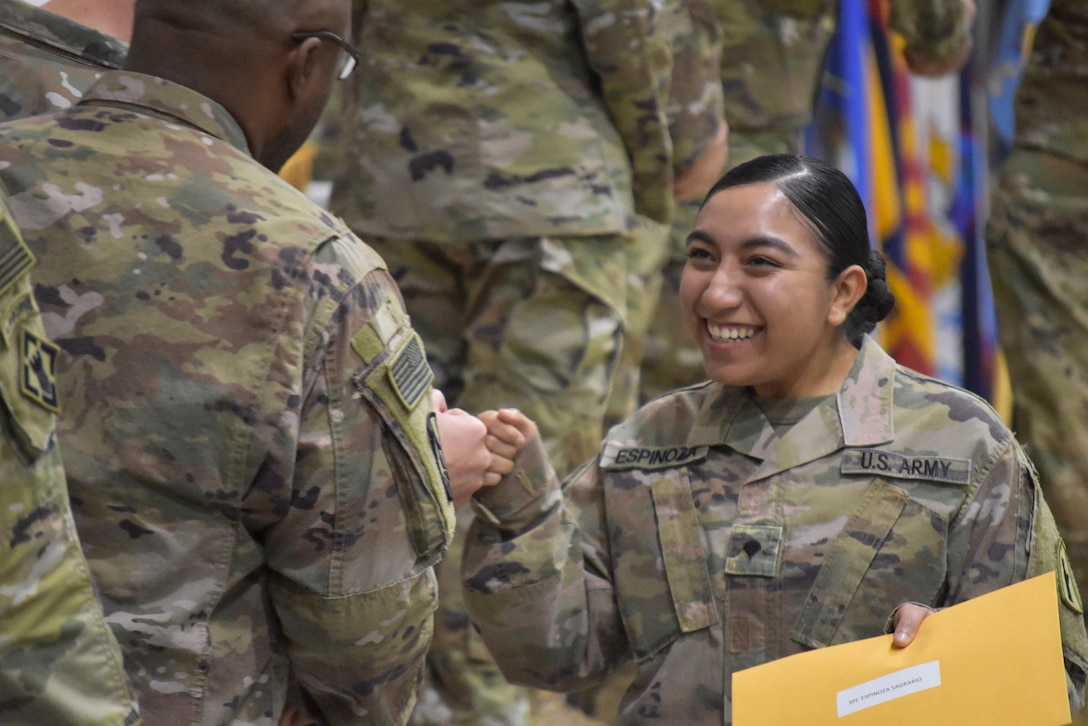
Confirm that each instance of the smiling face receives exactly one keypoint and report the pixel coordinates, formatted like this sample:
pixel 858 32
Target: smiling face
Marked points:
pixel 757 299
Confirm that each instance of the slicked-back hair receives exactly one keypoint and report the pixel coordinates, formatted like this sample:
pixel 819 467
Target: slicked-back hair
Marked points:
pixel 829 204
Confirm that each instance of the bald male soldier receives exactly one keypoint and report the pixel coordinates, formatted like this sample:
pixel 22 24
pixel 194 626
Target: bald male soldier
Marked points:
pixel 247 426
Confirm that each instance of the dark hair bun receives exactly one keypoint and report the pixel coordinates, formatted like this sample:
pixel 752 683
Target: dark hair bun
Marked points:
pixel 875 305
pixel 878 300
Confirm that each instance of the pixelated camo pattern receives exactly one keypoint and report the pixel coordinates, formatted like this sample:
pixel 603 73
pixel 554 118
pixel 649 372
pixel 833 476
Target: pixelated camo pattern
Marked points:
pixel 700 542
pixel 478 119
pixel 244 414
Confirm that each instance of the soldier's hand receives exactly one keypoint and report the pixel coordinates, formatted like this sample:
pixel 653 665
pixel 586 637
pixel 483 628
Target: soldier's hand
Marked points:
pixel 508 430
pixel 463 444
pixel 934 61
pixel 695 181
pixel 907 620
pixel 293 716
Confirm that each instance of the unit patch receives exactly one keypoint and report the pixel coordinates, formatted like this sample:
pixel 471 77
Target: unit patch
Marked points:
pixel 891 464
pixel 37 370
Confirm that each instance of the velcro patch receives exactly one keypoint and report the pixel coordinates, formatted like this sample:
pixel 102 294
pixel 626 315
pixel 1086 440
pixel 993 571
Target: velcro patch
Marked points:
pixel 37 370
pixel 410 374
pixel 650 457
pixel 1067 581
pixel 755 550
pixel 891 464
pixel 372 339
pixel 439 456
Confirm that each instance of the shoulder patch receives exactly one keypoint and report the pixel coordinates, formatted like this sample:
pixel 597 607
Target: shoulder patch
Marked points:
pixel 898 466
pixel 616 457
pixel 37 370
pixel 372 339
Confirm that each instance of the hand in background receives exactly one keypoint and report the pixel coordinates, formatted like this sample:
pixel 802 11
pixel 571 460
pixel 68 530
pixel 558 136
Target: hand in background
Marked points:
pixel 695 181
pixel 947 57
pixel 293 716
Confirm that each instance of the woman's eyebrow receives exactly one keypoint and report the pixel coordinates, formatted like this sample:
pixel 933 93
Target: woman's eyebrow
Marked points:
pixel 700 236
pixel 749 244
pixel 776 243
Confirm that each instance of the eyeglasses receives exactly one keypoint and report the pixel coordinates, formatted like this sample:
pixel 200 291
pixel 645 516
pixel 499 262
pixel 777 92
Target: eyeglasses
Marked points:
pixel 354 56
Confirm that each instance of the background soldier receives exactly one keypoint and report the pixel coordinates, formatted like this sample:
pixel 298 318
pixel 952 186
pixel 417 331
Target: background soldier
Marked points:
pixel 1038 260
pixel 503 158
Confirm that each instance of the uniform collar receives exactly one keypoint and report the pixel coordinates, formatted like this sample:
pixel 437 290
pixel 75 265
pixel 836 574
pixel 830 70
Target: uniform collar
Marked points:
pixel 62 35
pixel 860 414
pixel 160 97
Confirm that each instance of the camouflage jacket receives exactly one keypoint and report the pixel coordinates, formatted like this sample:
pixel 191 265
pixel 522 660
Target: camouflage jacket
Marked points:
pixel 700 543
pixel 59 662
pixel 480 119
pixel 772 58
pixel 246 425
pixel 1048 112
pixel 773 55
pixel 695 90
pixel 48 60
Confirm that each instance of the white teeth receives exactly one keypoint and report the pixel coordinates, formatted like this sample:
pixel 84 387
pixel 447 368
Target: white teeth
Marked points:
pixel 719 332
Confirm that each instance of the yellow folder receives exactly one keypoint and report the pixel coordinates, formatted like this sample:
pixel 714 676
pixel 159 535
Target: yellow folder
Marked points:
pixel 994 660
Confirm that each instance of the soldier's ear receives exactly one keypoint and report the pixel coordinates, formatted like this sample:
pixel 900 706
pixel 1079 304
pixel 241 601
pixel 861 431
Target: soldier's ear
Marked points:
pixel 847 289
pixel 305 77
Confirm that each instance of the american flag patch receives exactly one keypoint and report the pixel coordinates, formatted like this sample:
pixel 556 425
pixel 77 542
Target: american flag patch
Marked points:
pixel 410 374
pixel 15 260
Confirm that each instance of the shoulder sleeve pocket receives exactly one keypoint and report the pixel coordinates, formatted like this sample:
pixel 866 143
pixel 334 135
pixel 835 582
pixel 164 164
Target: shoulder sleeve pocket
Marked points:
pixel 396 380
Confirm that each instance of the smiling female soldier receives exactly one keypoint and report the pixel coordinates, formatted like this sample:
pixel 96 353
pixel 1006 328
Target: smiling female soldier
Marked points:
pixel 812 492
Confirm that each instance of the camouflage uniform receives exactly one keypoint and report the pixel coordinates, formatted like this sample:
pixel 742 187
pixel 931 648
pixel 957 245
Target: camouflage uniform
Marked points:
pixel 694 112
pixel 1038 259
pixel 251 455
pixel 499 164
pixel 772 58
pixel 48 60
pixel 499 157
pixel 59 662
pixel 705 539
